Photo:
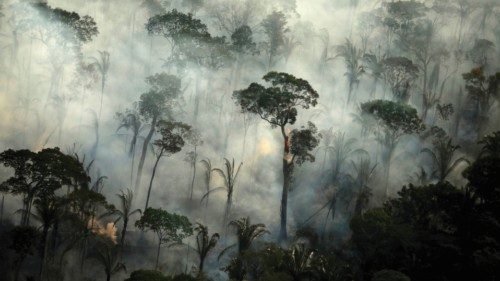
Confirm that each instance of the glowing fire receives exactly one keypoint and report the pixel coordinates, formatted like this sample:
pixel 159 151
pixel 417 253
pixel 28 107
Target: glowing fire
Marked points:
pixel 108 231
pixel 264 147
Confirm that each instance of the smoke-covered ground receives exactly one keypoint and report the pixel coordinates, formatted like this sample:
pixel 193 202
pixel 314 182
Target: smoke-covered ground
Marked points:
pixel 52 94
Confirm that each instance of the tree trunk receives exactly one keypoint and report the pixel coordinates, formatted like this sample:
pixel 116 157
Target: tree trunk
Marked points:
pixel 43 243
pixel 158 254
pixel 152 178
pixel 108 276
pixel 124 232
pixel 144 152
pixel 194 175
pixel 286 185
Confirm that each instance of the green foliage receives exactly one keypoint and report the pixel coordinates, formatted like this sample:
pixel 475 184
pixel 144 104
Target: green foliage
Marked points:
pixel 82 29
pixel 177 26
pixel 399 73
pixel 170 228
pixel 242 41
pixel 396 118
pixel 161 98
pixel 279 103
pixel 304 141
pixel 173 135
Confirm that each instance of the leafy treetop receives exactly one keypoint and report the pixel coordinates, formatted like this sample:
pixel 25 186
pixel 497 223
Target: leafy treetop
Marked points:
pixel 278 103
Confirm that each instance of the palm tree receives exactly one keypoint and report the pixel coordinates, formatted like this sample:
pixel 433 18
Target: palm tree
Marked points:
pixel 229 177
pixel 442 156
pixel 204 244
pixel 375 67
pixel 491 145
pixel 106 253
pixel 124 213
pixel 352 57
pixel 298 261
pixel 342 148
pixel 102 65
pixel 246 233
pixel 131 120
pixel 207 178
pixel 364 173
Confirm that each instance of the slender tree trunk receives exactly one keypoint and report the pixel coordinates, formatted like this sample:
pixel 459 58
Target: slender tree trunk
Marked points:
pixel 152 178
pixel 108 276
pixel 158 254
pixel 1 210
pixel 43 245
pixel 124 232
pixel 194 175
pixel 200 267
pixel 286 185
pixel 144 152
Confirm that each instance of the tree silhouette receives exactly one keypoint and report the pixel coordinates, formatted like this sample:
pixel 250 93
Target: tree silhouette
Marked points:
pixel 442 155
pixel 278 105
pixel 36 173
pixel 399 73
pixel 229 176
pixel 170 228
pixel 155 105
pixel 124 213
pixel 207 178
pixel 394 120
pixel 131 120
pixel 107 254
pixel 352 58
pixel 173 135
pixel 275 30
pixel 204 244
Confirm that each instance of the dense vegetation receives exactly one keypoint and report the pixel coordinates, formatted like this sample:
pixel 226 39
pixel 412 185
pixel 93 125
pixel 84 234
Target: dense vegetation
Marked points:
pixel 382 162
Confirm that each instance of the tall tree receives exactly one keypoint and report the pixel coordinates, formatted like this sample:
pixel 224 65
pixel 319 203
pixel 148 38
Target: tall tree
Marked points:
pixel 275 30
pixel 229 176
pixel 204 244
pixel 482 91
pixel 131 120
pixel 35 173
pixel 443 157
pixel 399 73
pixel 155 105
pixel 394 120
pixel 173 137
pixel 352 58
pixel 278 105
pixel 170 228
pixel 124 213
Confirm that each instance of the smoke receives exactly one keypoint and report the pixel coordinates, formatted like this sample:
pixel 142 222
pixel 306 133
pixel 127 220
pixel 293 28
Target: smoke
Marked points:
pixel 45 101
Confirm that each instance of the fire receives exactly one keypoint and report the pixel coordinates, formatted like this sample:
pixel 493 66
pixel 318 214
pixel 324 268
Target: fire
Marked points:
pixel 108 231
pixel 264 147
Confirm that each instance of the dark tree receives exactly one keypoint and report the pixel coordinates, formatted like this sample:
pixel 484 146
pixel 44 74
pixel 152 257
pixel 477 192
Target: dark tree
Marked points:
pixel 394 120
pixel 482 91
pixel 204 244
pixel 35 174
pixel 399 73
pixel 275 29
pixel 278 104
pixel 170 228
pixel 155 105
pixel 173 137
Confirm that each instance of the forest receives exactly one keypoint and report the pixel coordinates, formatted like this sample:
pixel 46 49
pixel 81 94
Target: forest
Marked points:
pixel 213 140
